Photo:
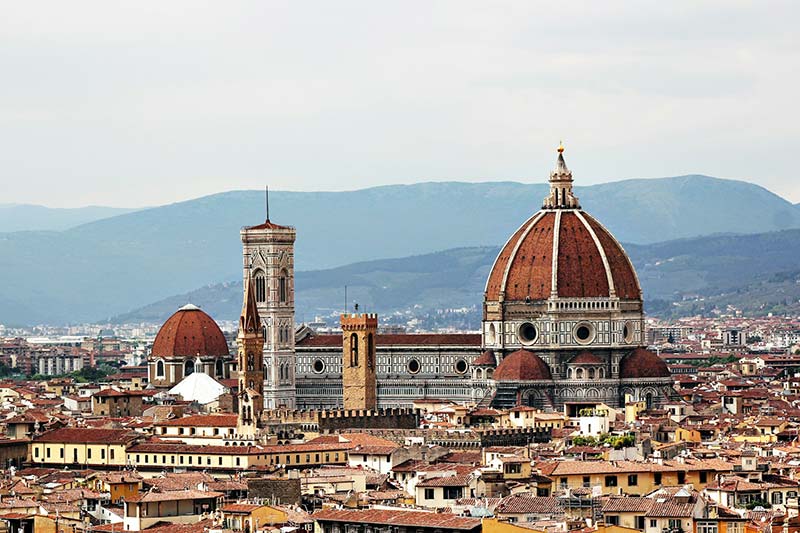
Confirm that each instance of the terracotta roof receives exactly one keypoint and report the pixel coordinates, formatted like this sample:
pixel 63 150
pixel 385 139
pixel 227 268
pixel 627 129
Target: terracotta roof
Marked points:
pixel 586 358
pixel 87 435
pixel 189 332
pixel 667 505
pixel 524 504
pixel 267 224
pixel 627 504
pixel 399 518
pixel 524 267
pixel 240 508
pixel 400 339
pixel 486 358
pixel 445 481
pixel 172 495
pixel 642 363
pixel 522 365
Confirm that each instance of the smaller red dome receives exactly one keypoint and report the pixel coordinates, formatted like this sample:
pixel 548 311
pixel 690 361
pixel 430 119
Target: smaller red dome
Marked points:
pixel 643 363
pixel 586 358
pixel 522 365
pixel 485 359
pixel 189 332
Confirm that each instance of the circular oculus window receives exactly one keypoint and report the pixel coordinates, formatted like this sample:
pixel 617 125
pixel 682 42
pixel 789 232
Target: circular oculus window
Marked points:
pixel 461 366
pixel 318 366
pixel 527 333
pixel 414 366
pixel 583 333
pixel 627 332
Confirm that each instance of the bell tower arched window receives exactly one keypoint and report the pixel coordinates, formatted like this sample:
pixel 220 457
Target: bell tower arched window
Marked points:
pixel 261 286
pixel 353 350
pixel 251 362
pixel 282 288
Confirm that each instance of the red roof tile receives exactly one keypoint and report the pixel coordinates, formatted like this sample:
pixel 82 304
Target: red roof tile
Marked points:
pixel 87 436
pixel 522 365
pixel 399 518
pixel 189 332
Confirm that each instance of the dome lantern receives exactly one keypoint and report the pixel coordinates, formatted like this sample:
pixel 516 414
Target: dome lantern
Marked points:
pixel 561 196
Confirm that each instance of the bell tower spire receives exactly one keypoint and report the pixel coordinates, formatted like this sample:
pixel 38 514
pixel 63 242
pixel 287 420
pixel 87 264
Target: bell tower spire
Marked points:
pixel 561 196
pixel 250 364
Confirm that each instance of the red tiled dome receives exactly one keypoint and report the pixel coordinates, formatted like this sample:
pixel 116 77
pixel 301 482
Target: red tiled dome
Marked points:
pixel 189 332
pixel 643 363
pixel 485 359
pixel 589 261
pixel 522 365
pixel 586 358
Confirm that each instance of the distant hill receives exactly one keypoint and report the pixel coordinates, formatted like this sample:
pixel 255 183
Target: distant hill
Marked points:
pixel 111 266
pixel 756 273
pixel 24 217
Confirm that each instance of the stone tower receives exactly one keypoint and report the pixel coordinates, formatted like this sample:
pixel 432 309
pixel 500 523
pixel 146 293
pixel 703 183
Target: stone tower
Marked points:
pixel 268 253
pixel 359 383
pixel 250 364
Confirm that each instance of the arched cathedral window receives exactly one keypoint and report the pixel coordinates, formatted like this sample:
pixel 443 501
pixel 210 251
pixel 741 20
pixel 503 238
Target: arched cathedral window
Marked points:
pixel 353 350
pixel 251 362
pixel 261 286
pixel 160 369
pixel 188 367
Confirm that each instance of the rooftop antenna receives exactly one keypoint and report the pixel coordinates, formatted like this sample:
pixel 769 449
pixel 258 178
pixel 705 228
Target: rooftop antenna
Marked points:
pixel 266 199
pixel 345 299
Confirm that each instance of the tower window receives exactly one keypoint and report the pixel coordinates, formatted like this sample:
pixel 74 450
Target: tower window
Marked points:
pixel 261 287
pixel 353 349
pixel 282 289
pixel 370 351
pixel 160 369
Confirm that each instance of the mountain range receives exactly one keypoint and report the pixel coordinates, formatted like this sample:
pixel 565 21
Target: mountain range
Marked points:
pixel 111 266
pixel 26 217
pixel 756 273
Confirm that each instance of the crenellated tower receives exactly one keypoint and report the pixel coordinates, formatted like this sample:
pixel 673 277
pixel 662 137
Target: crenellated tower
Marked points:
pixel 250 363
pixel 268 258
pixel 359 381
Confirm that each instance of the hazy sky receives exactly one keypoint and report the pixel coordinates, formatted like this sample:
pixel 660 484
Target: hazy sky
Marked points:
pixel 141 103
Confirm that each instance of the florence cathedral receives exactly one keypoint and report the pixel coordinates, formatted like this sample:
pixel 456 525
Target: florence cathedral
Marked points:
pixel 562 327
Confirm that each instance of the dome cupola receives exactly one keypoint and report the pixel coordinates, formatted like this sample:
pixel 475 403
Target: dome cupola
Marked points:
pixel 189 332
pixel 562 269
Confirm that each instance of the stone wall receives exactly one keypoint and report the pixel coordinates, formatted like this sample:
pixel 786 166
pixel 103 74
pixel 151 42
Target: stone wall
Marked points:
pixel 281 490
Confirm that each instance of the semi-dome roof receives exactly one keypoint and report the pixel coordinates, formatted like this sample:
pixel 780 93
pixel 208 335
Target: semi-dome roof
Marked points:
pixel 522 365
pixel 562 251
pixel 586 358
pixel 642 363
pixel 189 332
pixel 486 358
